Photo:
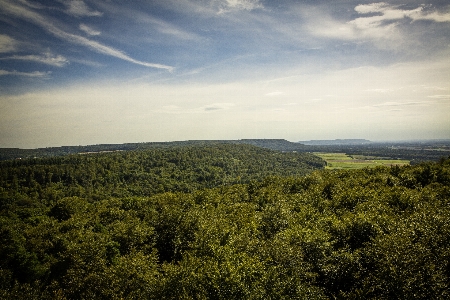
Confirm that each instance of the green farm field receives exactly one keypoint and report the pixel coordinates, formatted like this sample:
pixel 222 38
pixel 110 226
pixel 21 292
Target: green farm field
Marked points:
pixel 344 161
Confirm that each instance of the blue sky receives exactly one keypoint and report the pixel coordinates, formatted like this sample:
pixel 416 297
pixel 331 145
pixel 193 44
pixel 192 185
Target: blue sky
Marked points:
pixel 90 72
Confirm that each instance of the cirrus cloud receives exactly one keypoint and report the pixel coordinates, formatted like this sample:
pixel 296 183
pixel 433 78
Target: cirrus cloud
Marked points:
pixel 7 43
pixel 36 18
pixel 46 58
pixel 231 5
pixel 88 30
pixel 25 74
pixel 78 8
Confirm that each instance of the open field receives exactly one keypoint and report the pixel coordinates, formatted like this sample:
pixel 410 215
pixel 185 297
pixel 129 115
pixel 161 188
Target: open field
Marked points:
pixel 344 161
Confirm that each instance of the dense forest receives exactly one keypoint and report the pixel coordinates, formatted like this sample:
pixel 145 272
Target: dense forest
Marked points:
pixel 221 222
pixel 272 144
pixel 96 176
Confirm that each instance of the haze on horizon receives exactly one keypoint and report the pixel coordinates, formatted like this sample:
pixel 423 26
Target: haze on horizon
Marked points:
pixel 76 72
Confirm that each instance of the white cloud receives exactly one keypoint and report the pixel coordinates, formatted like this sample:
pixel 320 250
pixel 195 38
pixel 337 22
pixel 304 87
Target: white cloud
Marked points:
pixel 89 30
pixel 46 58
pixel 358 29
pixel 25 74
pixel 373 7
pixel 72 38
pixel 389 13
pixel 79 9
pixel 379 21
pixel 7 44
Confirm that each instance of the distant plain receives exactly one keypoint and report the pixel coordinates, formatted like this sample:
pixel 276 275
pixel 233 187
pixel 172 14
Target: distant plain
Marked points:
pixel 344 161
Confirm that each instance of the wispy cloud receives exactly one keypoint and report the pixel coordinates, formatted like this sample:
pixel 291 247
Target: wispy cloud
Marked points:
pixel 169 29
pixel 32 5
pixel 103 49
pixel 433 16
pixel 213 7
pixel 41 21
pixel 402 103
pixel 25 74
pixel 7 44
pixel 78 8
pixel 89 30
pixel 216 106
pixel 275 94
pixel 438 88
pixel 87 62
pixel 230 5
pixel 379 90
pixel 175 109
pixel 46 58
pixel 439 96
pixel 142 17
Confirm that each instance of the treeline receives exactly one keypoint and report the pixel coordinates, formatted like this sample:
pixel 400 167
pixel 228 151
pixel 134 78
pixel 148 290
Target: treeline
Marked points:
pixel 96 176
pixel 377 233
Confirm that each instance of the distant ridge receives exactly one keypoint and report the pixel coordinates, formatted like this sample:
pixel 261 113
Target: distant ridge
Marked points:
pixel 336 142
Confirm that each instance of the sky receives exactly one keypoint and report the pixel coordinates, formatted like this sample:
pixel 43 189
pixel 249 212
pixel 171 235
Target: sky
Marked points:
pixel 82 72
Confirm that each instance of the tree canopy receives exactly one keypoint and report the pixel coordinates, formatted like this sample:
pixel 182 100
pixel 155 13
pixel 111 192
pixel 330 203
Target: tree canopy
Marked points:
pixel 100 227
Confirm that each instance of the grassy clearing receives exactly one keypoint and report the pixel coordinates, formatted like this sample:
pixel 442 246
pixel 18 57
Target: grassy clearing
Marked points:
pixel 344 161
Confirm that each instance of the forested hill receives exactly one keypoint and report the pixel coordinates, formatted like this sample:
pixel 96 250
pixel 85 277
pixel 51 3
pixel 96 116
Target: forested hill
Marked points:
pixel 415 152
pixel 16 153
pixel 380 233
pixel 151 171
